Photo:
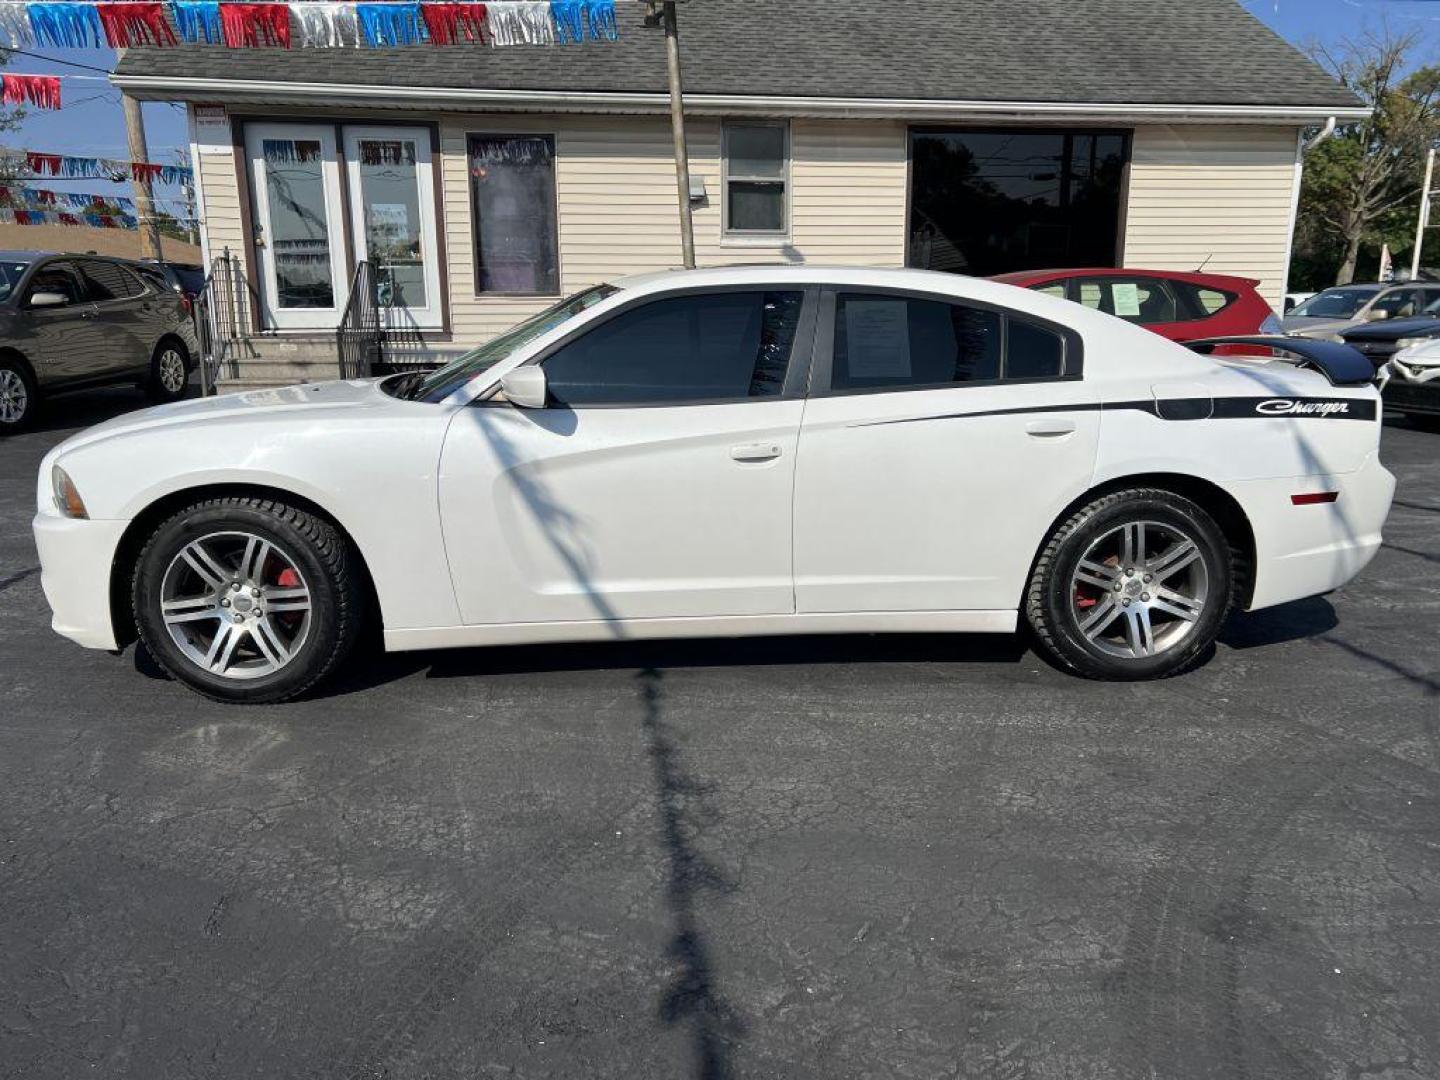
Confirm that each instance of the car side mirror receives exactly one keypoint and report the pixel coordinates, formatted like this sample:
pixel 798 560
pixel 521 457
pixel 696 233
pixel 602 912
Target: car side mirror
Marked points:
pixel 1376 315
pixel 525 387
pixel 48 299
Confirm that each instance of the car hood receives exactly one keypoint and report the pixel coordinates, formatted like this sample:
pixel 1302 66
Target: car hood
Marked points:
pixel 299 401
pixel 1394 329
pixel 1304 324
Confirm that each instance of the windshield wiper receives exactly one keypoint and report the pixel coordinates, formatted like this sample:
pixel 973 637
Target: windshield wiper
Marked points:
pixel 407 385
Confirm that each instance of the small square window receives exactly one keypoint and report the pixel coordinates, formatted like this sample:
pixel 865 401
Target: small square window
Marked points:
pixel 757 179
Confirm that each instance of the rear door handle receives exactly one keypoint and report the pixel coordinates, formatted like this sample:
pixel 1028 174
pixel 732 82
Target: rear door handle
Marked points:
pixel 755 452
pixel 1049 429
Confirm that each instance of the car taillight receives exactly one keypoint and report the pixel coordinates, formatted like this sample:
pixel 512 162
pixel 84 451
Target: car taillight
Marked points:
pixel 189 303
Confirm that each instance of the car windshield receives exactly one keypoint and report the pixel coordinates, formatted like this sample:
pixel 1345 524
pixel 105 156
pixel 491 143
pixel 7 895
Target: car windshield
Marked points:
pixel 10 275
pixel 440 384
pixel 1334 304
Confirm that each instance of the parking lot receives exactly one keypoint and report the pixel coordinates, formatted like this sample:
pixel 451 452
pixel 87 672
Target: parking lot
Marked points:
pixel 859 856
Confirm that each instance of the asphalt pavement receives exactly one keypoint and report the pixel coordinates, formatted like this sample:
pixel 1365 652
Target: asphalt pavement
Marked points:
pixel 813 857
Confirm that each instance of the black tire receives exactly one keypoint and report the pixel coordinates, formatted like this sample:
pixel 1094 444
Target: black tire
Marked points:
pixel 162 384
pixel 1053 602
pixel 19 396
pixel 322 556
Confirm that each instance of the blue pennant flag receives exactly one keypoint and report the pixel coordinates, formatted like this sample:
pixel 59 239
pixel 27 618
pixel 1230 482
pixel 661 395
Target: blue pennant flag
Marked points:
pixel 199 20
pixel 569 20
pixel 601 16
pixel 390 24
pixel 66 25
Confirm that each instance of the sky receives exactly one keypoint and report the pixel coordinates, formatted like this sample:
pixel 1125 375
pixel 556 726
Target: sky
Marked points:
pixel 90 121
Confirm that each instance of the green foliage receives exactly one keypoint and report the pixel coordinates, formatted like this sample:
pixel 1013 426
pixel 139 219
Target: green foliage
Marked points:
pixel 1362 186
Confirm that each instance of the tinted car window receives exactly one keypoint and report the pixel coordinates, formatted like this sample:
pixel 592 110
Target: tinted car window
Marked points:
pixel 1145 301
pixel 1033 352
pixel 58 278
pixel 109 281
pixel 1334 304
pixel 10 275
pixel 190 278
pixel 708 347
pixel 896 341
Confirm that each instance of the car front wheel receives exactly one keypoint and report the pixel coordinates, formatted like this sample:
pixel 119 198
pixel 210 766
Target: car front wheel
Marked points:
pixel 247 600
pixel 1135 585
pixel 169 372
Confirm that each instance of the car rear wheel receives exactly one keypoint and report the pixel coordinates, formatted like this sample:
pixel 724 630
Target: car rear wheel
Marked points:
pixel 169 372
pixel 18 397
pixel 247 600
pixel 1135 585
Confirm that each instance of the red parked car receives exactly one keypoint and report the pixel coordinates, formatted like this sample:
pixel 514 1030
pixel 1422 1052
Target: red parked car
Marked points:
pixel 1177 305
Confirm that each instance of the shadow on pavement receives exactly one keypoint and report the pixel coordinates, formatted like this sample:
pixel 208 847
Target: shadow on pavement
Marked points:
pixel 87 407
pixel 1288 622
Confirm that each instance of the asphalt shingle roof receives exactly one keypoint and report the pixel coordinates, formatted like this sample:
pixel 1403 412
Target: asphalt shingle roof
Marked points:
pixel 1193 52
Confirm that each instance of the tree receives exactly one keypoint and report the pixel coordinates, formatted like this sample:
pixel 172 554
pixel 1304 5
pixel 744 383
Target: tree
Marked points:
pixel 1358 182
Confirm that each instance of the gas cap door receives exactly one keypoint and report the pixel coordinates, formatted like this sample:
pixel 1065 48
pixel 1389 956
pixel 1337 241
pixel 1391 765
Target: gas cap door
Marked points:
pixel 1182 401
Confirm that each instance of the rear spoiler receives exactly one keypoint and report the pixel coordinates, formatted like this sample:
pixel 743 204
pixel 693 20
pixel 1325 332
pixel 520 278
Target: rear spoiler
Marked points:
pixel 1343 365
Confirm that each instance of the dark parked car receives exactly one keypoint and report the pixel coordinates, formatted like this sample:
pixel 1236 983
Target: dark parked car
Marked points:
pixel 1411 390
pixel 1382 340
pixel 73 321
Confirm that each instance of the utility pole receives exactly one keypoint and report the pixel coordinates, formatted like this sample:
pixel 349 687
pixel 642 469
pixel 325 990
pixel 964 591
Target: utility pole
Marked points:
pixel 144 203
pixel 665 16
pixel 1424 214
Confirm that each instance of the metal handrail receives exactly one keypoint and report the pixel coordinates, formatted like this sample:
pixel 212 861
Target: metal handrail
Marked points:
pixel 360 337
pixel 221 310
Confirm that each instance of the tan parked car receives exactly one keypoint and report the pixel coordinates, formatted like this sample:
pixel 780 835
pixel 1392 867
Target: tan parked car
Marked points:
pixel 68 322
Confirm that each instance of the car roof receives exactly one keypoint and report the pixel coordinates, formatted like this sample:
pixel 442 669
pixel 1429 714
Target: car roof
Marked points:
pixel 24 256
pixel 1368 286
pixel 1195 277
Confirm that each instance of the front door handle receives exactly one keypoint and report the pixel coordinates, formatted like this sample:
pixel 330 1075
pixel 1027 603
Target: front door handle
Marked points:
pixel 1049 429
pixel 756 452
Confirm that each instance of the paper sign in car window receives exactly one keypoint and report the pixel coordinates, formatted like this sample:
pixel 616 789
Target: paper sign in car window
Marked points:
pixel 1090 294
pixel 877 339
pixel 1126 295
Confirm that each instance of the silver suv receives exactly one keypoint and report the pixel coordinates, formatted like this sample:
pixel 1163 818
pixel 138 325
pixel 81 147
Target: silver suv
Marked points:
pixel 68 322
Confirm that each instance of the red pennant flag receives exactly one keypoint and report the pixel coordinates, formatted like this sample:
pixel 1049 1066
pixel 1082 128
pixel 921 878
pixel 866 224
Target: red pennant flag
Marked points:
pixel 46 198
pixel 42 91
pixel 106 221
pixel 135 22
pixel 40 164
pixel 22 217
pixel 142 172
pixel 68 219
pixel 450 23
pixel 249 25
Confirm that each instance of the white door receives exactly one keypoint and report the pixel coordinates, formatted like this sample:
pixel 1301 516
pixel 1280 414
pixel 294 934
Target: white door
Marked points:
pixel 299 237
pixel 926 477
pixel 657 485
pixel 392 201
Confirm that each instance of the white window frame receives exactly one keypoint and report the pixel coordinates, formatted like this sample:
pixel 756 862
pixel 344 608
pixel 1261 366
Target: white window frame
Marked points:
pixel 753 236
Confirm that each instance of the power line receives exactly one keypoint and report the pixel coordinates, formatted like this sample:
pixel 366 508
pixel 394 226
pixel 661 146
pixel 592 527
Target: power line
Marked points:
pixel 54 59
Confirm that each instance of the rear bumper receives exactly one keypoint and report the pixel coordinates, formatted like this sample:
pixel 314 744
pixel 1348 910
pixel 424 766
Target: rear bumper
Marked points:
pixel 1303 551
pixel 76 558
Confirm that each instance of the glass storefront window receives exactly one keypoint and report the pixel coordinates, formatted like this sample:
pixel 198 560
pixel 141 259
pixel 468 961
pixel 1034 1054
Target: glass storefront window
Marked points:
pixel 994 200
pixel 512 185
pixel 390 203
pixel 299 228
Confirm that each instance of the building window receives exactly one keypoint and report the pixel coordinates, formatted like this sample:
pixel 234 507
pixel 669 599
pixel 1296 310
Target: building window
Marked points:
pixel 997 200
pixel 757 179
pixel 512 189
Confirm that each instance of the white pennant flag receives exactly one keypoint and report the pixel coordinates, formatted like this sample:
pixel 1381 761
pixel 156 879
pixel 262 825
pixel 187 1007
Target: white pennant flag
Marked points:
pixel 326 24
pixel 15 26
pixel 520 22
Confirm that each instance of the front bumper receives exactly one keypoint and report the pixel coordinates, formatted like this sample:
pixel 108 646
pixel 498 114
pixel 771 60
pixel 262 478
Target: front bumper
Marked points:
pixel 1304 551
pixel 76 560
pixel 1413 388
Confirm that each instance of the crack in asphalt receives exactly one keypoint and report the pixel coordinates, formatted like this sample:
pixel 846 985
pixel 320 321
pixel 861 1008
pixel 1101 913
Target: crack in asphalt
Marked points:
pixel 17 577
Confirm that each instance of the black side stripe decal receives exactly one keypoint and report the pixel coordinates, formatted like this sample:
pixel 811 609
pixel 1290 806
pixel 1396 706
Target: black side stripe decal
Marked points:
pixel 1182 409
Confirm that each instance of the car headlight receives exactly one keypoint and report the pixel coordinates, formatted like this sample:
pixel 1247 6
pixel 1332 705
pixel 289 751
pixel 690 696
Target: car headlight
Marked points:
pixel 67 496
pixel 1411 342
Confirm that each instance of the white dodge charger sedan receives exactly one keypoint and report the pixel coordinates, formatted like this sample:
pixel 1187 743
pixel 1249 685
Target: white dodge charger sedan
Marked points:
pixel 758 450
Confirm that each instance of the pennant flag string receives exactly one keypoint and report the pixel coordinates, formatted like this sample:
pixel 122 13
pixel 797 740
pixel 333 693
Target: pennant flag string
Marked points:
pixel 40 198
pixel 320 24
pixel 94 168
pixel 42 91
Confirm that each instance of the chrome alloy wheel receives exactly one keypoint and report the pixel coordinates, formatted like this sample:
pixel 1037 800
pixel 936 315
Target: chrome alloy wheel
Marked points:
pixel 1139 589
pixel 14 398
pixel 172 371
pixel 236 605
